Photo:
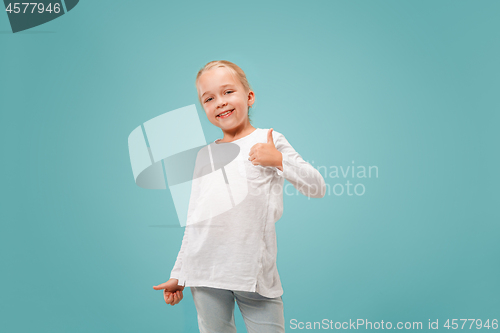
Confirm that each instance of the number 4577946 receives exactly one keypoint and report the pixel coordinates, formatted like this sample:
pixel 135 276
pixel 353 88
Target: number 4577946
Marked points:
pixel 17 7
pixel 479 323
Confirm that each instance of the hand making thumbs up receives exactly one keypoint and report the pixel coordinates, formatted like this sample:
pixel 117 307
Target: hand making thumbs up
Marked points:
pixel 266 154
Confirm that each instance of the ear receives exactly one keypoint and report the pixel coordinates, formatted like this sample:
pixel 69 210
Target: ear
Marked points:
pixel 251 98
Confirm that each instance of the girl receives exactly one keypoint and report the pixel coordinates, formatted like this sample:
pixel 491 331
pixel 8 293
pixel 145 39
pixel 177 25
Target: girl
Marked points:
pixel 232 256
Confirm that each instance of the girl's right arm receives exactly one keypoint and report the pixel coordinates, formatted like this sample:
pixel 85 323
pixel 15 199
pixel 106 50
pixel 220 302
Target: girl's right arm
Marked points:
pixel 176 272
pixel 172 289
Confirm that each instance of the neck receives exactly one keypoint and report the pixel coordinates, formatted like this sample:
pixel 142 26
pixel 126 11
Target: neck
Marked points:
pixel 237 132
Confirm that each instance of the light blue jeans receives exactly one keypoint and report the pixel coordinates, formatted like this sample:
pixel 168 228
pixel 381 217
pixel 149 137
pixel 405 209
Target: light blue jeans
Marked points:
pixel 215 309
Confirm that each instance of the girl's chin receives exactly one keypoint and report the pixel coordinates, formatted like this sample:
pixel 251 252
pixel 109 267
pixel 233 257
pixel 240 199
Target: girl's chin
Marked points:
pixel 228 127
pixel 227 122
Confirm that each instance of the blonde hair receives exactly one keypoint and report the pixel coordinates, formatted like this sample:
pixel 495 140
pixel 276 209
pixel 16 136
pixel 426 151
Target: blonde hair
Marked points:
pixel 235 71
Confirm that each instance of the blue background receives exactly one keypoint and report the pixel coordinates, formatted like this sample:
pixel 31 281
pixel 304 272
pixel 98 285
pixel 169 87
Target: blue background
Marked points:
pixel 408 86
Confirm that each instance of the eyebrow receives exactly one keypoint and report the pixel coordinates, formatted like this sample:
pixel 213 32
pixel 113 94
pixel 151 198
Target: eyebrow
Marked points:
pixel 223 86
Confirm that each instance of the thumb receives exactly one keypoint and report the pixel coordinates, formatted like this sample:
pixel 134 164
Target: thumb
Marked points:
pixel 270 137
pixel 160 286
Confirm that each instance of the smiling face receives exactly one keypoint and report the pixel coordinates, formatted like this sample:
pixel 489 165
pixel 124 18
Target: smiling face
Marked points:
pixel 220 91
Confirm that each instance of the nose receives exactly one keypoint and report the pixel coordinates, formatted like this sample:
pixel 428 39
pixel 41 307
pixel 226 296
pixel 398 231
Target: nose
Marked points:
pixel 221 103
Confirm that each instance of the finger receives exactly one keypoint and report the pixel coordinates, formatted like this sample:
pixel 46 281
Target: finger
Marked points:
pixel 160 286
pixel 270 136
pixel 255 147
pixel 170 298
pixel 168 295
pixel 174 300
pixel 179 296
pixel 165 297
pixel 182 296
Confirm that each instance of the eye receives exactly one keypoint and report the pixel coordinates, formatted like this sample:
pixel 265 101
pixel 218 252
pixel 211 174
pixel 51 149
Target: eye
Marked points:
pixel 208 99
pixel 229 91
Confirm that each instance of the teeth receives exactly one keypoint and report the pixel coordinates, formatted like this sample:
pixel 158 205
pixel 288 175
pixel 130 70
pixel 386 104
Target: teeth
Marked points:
pixel 223 114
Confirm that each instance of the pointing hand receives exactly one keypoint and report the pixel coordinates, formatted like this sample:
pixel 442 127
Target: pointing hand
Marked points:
pixel 172 292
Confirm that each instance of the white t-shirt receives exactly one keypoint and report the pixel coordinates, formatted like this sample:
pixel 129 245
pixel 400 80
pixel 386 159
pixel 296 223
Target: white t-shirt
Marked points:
pixel 236 248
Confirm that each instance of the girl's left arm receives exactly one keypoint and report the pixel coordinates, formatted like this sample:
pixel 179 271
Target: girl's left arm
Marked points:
pixel 302 175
